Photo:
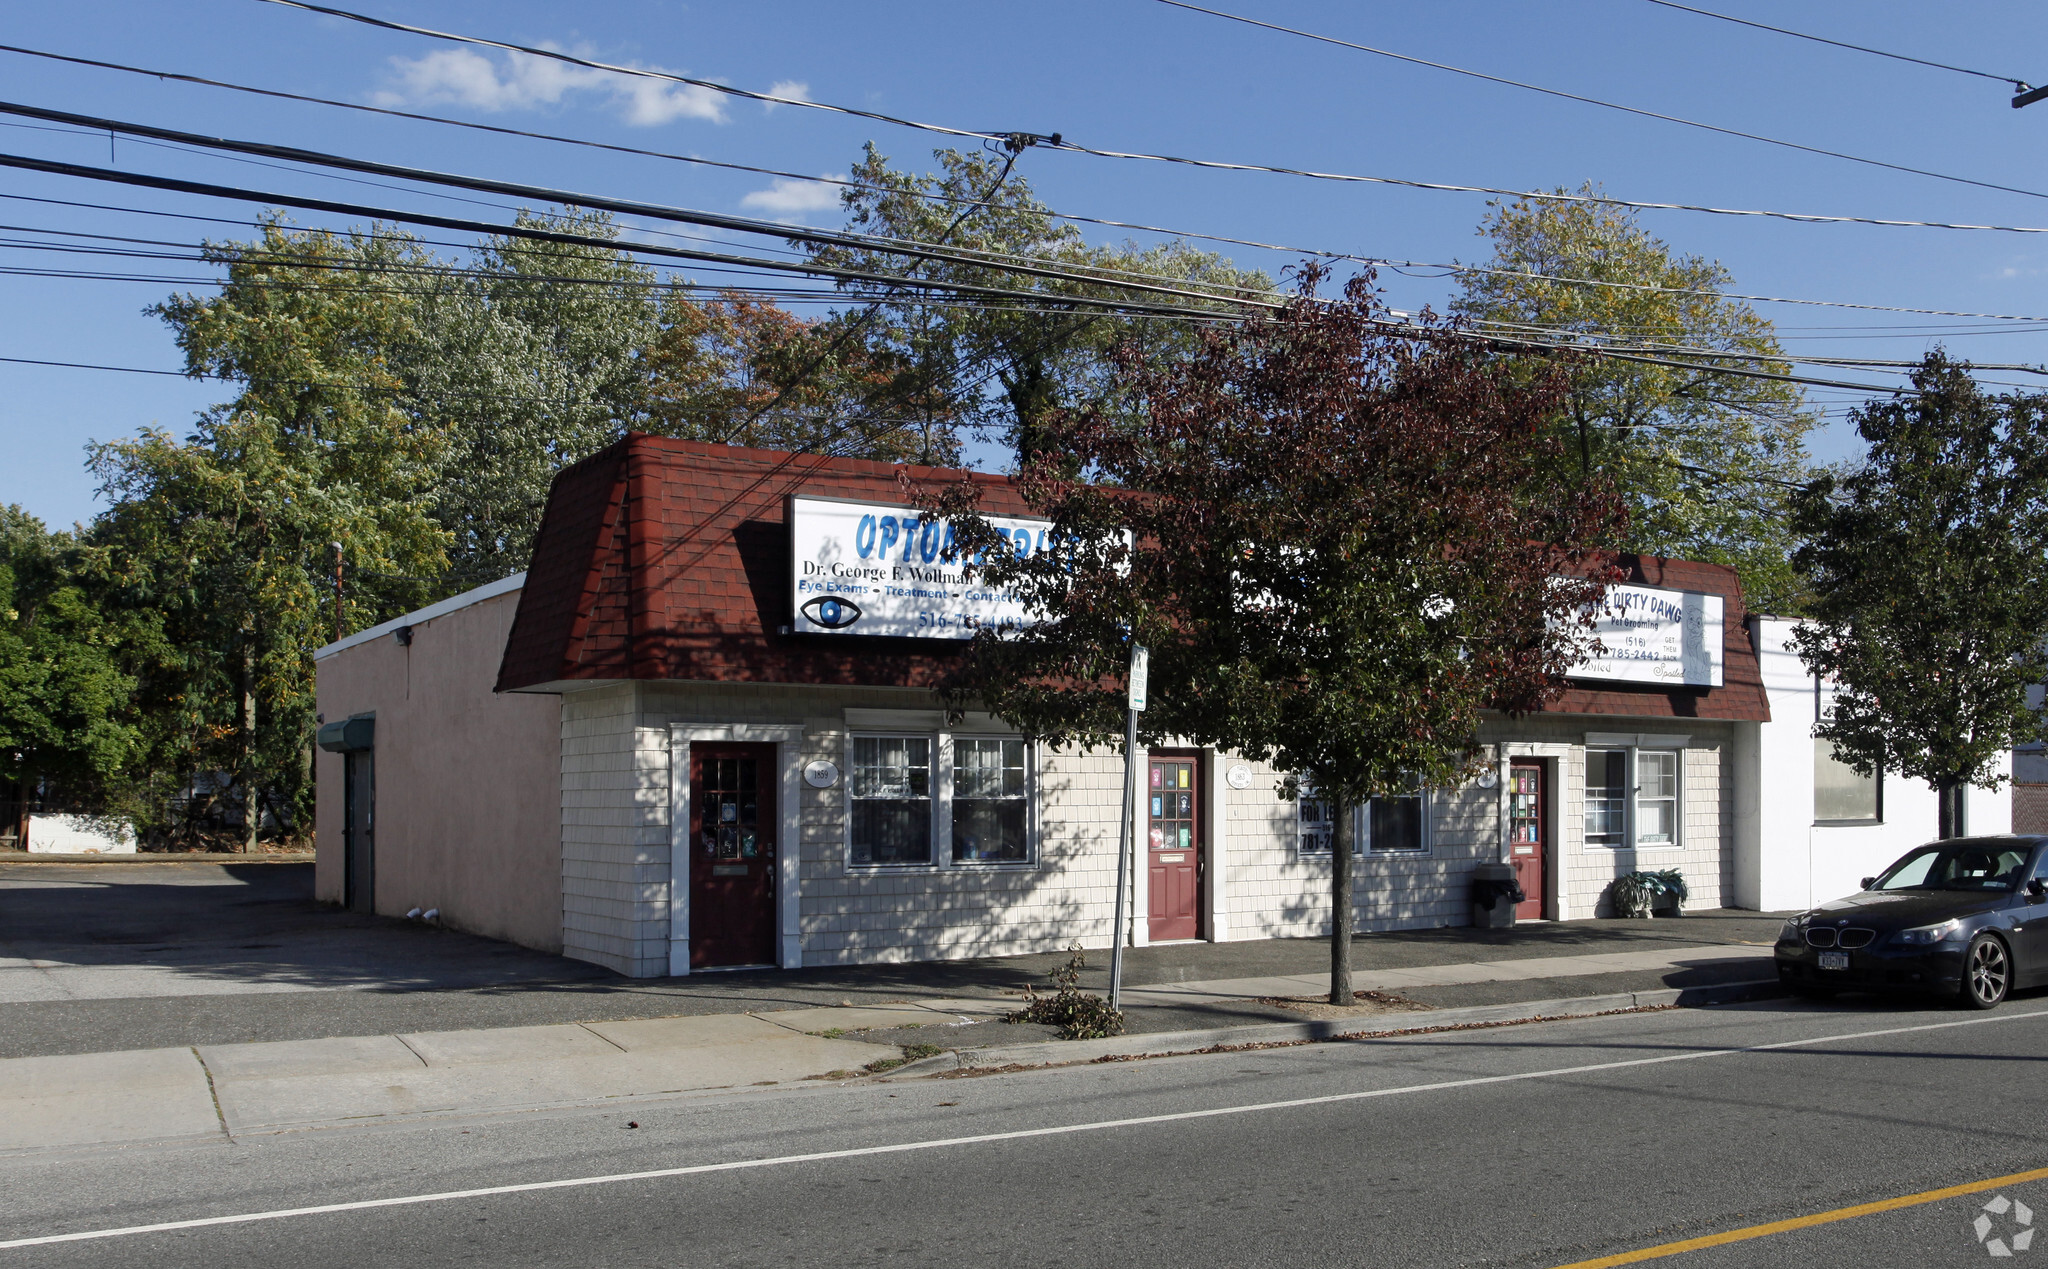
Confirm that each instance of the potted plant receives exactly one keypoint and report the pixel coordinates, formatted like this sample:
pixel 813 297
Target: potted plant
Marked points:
pixel 1645 894
pixel 1633 894
pixel 1671 892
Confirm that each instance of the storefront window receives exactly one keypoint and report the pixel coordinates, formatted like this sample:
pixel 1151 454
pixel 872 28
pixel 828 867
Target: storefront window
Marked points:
pixel 1607 797
pixel 1840 796
pixel 1621 814
pixel 988 802
pixel 1389 824
pixel 892 800
pixel 1396 824
pixel 1656 798
pixel 1316 826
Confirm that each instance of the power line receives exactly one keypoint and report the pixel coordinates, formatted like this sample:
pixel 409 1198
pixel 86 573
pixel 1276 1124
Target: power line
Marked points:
pixel 2015 81
pixel 264 259
pixel 440 119
pixel 642 72
pixel 1056 142
pixel 888 280
pixel 1115 224
pixel 863 185
pixel 628 207
pixel 1384 261
pixel 208 190
pixel 1595 101
pixel 558 139
pixel 1038 297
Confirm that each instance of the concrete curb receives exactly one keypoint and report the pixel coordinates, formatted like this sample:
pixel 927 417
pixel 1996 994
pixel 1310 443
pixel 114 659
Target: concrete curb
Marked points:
pixel 1167 1043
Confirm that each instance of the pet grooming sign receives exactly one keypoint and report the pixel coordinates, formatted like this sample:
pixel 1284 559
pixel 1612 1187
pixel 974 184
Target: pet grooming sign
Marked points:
pixel 1650 635
pixel 867 568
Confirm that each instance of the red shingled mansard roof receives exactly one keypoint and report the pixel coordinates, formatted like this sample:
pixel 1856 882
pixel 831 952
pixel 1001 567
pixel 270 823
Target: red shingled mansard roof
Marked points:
pixel 669 559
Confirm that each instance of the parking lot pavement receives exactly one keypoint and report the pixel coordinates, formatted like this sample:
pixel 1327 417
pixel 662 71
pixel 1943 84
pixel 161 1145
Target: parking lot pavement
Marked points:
pixel 108 956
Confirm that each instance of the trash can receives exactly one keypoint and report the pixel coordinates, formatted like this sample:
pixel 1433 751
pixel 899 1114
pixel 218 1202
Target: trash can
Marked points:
pixel 1495 892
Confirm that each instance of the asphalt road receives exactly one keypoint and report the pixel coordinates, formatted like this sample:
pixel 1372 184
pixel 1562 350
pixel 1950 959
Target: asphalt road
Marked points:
pixel 1544 1144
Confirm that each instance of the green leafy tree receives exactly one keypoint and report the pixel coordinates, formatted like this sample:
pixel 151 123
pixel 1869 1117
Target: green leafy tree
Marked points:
pixel 66 725
pixel 528 356
pixel 1928 567
pixel 226 534
pixel 1706 460
pixel 1340 548
pixel 1005 366
pixel 524 358
pixel 742 370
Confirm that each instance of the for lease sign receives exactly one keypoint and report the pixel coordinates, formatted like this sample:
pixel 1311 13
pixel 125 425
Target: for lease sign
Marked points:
pixel 1648 635
pixel 868 568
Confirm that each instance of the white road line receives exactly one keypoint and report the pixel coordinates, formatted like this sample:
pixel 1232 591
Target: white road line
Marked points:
pixel 1020 1134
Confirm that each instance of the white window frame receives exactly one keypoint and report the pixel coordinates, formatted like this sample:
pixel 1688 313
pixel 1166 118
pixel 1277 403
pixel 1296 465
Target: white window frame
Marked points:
pixel 1428 838
pixel 1029 798
pixel 1635 746
pixel 1362 835
pixel 941 857
pixel 1823 709
pixel 1876 789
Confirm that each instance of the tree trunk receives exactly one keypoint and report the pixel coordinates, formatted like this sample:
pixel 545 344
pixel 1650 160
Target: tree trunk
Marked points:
pixel 25 786
pixel 252 815
pixel 1948 796
pixel 1341 911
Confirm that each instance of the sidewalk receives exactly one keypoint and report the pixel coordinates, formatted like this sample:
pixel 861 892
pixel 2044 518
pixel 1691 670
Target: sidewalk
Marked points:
pixel 219 1092
pixel 118 956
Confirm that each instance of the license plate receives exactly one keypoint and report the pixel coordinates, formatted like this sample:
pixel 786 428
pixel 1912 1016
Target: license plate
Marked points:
pixel 1834 960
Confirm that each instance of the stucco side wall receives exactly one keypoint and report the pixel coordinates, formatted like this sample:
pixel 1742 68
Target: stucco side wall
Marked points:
pixel 1800 863
pixel 467 781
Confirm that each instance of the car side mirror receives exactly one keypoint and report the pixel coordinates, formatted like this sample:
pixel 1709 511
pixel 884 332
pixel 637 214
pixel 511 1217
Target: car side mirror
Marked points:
pixel 2037 887
pixel 1866 883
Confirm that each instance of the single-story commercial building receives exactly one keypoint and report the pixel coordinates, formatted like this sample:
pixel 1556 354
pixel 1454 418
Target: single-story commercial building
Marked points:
pixel 701 731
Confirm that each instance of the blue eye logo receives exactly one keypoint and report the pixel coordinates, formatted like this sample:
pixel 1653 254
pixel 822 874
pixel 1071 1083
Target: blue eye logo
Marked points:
pixel 832 612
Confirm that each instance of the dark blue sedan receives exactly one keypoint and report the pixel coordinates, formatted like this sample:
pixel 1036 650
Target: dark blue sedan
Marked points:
pixel 1965 918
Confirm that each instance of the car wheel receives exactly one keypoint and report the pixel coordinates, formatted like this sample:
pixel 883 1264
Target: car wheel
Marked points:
pixel 1987 973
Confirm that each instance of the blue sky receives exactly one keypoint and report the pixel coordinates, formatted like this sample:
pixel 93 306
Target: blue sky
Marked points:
pixel 1116 74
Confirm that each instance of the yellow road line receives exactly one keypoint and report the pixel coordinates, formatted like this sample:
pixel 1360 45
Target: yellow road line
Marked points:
pixel 1806 1222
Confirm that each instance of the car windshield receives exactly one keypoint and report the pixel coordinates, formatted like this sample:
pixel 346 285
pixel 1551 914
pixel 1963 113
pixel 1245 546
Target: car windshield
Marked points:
pixel 1957 866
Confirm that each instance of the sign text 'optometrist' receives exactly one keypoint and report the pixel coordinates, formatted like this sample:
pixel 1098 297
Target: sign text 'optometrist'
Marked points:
pixel 871 569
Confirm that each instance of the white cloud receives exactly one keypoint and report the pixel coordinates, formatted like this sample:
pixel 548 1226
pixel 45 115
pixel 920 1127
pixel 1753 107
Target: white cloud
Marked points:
pixel 650 102
pixel 524 82
pixel 794 89
pixel 788 196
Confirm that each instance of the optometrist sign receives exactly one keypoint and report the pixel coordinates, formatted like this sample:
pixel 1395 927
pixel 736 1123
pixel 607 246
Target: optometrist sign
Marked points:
pixel 1671 638
pixel 864 568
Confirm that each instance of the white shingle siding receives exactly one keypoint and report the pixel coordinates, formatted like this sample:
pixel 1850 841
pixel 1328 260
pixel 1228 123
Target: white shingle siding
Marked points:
pixel 615 840
pixel 1276 892
pixel 1705 854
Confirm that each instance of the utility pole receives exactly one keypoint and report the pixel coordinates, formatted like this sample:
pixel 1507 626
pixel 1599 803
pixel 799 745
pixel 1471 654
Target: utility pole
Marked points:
pixel 1134 705
pixel 337 592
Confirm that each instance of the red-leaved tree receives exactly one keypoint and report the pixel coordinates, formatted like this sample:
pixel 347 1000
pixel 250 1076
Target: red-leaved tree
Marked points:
pixel 1337 541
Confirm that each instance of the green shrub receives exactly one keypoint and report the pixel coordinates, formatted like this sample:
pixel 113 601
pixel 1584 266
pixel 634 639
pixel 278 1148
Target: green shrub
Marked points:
pixel 1077 1014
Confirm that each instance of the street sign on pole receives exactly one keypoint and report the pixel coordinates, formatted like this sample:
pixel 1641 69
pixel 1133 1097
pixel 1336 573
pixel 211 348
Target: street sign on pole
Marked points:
pixel 1140 667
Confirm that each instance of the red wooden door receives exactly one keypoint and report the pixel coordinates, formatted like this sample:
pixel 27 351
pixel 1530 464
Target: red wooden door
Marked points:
pixel 732 855
pixel 1529 833
pixel 1173 849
